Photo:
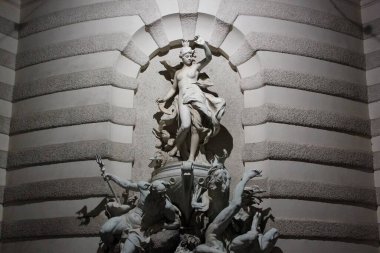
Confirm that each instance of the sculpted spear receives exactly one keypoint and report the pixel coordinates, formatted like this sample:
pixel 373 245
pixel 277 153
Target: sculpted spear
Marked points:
pixel 103 171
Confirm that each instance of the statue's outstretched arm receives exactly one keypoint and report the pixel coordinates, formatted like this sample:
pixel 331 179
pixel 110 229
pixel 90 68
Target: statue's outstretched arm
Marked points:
pixel 248 175
pixel 126 184
pixel 205 61
pixel 223 219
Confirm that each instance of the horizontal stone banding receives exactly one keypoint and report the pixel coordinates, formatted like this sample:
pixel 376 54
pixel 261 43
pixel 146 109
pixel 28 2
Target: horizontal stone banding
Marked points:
pixel 303 210
pixel 372 60
pixel 325 230
pixel 73 116
pixel 7 59
pixel 8 28
pixel 375 127
pixel 73 81
pixel 81 97
pixel 76 169
pixel 305 172
pixel 299 46
pixel 315 191
pixel 308 82
pixel 50 228
pixel 59 189
pixel 3 159
pixel 6 91
pixel 1 195
pixel 56 245
pixel 4 125
pixel 74 151
pixel 312 137
pixel 257 8
pixel 91 12
pixel 298 245
pixel 306 100
pixel 378 195
pixel 290 12
pixel 54 208
pixel 376 160
pixel 307 153
pixel 71 227
pixel 82 46
pixel 309 118
pixel 99 131
pixel 373 93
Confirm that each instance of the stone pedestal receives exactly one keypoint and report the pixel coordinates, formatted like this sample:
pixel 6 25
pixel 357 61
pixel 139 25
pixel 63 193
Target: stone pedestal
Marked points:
pixel 183 176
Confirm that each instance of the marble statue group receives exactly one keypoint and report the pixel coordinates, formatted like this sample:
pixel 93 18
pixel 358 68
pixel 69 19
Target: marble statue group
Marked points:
pixel 186 205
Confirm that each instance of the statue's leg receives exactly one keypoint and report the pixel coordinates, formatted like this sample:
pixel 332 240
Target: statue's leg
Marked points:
pixel 203 248
pixel 268 240
pixel 129 248
pixel 194 143
pixel 185 115
pixel 111 229
pixel 130 244
pixel 241 243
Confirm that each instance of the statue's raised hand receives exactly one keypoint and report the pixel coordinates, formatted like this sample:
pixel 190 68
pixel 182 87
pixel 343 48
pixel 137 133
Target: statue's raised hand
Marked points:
pixel 199 40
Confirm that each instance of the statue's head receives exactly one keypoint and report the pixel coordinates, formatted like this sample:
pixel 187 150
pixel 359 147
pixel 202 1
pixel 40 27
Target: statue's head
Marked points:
pixel 186 53
pixel 188 244
pixel 218 179
pixel 159 188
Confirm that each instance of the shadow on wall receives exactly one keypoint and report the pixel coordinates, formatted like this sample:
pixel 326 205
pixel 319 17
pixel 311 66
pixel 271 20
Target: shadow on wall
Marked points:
pixel 366 30
pixel 222 141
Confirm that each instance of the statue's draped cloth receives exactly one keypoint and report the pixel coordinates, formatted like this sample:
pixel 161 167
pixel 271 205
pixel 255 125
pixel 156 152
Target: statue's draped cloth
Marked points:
pixel 206 109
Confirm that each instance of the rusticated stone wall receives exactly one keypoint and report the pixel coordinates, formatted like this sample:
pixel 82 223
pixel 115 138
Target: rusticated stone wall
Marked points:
pixel 9 20
pixel 371 47
pixel 308 77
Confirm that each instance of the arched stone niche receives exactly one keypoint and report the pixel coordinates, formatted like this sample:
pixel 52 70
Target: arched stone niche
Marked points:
pixel 153 85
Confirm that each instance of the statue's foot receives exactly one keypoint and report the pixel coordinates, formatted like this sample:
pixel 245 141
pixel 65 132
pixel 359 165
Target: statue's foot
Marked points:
pixel 191 159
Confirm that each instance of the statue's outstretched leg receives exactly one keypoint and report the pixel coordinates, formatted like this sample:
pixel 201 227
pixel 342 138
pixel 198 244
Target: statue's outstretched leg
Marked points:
pixel 207 249
pixel 131 244
pixel 268 240
pixel 112 229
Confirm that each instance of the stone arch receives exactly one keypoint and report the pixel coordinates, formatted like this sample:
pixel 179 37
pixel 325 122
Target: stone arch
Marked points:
pixel 145 43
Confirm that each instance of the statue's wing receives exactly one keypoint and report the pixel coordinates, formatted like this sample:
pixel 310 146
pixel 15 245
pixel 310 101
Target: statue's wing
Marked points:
pixel 171 69
pixel 204 81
